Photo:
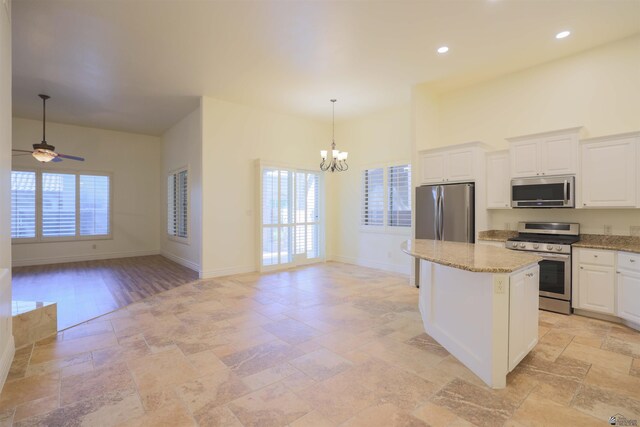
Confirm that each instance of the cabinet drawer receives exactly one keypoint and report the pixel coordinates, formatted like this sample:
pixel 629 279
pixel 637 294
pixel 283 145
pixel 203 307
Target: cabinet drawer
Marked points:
pixel 596 257
pixel 629 261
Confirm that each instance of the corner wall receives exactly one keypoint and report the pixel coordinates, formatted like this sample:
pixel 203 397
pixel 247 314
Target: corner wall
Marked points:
pixel 182 146
pixel 134 162
pixel 374 140
pixel 7 347
pixel 234 137
pixel 598 89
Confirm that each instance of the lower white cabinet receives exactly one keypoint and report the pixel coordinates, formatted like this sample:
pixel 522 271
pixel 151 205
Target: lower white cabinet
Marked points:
pixel 597 288
pixel 629 287
pixel 523 314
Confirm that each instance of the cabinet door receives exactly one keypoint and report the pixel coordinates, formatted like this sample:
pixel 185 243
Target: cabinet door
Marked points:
pixel 460 166
pixel 498 182
pixel 596 288
pixel 609 173
pixel 629 296
pixel 558 155
pixel 432 168
pixel 524 158
pixel 523 314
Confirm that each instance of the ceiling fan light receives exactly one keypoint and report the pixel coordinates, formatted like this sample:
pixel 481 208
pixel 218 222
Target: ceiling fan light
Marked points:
pixel 43 155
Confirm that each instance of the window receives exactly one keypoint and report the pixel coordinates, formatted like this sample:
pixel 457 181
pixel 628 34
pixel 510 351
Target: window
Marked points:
pixel 23 205
pixel 291 224
pixel 53 206
pixel 386 196
pixel 177 204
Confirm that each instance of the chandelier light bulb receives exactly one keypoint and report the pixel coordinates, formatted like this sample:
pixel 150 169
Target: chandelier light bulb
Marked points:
pixel 323 154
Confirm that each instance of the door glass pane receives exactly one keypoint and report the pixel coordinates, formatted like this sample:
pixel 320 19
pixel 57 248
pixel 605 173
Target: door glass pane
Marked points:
pixel 269 196
pixel 269 246
pixel 285 245
pixel 312 241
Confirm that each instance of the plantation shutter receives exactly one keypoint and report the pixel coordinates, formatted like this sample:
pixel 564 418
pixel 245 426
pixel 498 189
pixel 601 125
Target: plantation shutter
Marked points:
pixel 373 197
pixel 23 205
pixel 94 205
pixel 58 204
pixel 399 190
pixel 177 204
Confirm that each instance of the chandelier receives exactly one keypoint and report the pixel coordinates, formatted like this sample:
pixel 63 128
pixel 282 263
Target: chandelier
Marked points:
pixel 338 162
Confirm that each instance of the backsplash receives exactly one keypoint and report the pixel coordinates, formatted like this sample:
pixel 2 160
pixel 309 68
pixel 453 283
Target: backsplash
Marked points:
pixel 592 221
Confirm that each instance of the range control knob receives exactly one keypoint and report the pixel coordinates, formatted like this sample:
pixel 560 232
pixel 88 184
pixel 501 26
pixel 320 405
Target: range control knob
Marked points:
pixel 549 247
pixel 536 246
pixel 514 244
pixel 559 248
pixel 523 245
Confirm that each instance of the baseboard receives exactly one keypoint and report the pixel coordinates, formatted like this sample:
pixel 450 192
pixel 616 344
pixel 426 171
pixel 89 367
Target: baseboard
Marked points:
pixel 182 261
pixel 393 268
pixel 77 258
pixel 219 272
pixel 5 361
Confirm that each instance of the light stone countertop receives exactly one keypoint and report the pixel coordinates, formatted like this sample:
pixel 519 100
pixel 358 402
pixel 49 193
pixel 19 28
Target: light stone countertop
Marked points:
pixel 609 242
pixel 470 257
pixel 497 235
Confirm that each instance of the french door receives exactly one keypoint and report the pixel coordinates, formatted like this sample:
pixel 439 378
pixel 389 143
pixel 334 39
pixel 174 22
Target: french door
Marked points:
pixel 291 220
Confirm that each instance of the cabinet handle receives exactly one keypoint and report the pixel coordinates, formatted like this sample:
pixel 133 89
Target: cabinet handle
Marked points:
pixel 581 268
pixel 584 204
pixel 632 260
pixel 595 256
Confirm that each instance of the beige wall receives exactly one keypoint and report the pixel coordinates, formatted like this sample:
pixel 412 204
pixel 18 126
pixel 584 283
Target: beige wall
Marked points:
pixel 234 137
pixel 134 162
pixel 6 337
pixel 182 147
pixel 598 89
pixel 373 140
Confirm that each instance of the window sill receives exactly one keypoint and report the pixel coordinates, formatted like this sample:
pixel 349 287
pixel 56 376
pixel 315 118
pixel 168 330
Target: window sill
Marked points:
pixel 61 239
pixel 401 231
pixel 181 240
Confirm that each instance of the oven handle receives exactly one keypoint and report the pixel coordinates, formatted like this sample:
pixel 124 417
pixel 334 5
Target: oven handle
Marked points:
pixel 553 256
pixel 566 190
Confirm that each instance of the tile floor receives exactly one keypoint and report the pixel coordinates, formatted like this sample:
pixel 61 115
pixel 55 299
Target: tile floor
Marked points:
pixel 323 345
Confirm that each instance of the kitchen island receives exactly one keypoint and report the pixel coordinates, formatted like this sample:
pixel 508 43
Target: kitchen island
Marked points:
pixel 479 302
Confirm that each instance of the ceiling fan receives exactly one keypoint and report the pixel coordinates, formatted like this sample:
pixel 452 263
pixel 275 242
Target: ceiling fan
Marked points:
pixel 44 152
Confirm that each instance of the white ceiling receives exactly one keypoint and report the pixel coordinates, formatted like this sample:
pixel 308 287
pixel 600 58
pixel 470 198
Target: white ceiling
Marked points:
pixel 141 65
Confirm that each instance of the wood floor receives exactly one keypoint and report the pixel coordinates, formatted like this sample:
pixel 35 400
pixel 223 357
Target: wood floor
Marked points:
pixel 84 290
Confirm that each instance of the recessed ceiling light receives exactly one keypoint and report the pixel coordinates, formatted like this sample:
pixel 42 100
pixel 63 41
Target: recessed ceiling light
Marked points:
pixel 443 49
pixel 563 34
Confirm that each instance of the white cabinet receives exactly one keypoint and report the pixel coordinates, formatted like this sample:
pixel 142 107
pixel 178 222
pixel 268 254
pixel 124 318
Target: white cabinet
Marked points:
pixel 498 180
pixel 545 154
pixel 597 288
pixel 594 280
pixel 629 287
pixel 461 163
pixel 523 314
pixel 609 171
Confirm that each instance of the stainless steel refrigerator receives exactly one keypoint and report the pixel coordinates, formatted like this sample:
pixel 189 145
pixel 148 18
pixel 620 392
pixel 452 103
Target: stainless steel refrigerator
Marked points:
pixel 445 212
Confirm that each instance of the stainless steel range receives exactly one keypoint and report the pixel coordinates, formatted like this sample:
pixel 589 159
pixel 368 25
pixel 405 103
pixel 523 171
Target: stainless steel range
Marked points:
pixel 552 242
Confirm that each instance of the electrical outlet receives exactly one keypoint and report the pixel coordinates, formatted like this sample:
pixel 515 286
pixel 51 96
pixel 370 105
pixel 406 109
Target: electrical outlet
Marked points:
pixel 499 284
pixel 94 246
pixel 634 230
pixel 607 230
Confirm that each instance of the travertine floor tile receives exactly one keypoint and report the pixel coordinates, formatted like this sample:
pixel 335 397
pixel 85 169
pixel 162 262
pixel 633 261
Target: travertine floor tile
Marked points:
pixel 321 364
pixel 274 405
pixel 385 415
pixel 596 356
pixel 161 370
pixel 545 412
pixel 94 383
pixel 26 389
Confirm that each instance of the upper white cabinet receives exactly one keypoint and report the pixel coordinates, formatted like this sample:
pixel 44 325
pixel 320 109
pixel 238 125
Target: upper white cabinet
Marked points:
pixel 498 182
pixel 459 163
pixel 549 153
pixel 610 171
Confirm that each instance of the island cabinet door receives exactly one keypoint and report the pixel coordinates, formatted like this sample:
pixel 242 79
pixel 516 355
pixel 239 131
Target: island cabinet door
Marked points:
pixel 523 314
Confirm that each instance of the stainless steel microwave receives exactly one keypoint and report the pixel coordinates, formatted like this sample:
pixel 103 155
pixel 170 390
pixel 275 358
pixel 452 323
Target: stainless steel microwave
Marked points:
pixel 547 192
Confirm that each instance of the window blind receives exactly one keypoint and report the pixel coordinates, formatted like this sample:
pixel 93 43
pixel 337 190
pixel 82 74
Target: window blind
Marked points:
pixel 23 205
pixel 399 190
pixel 177 206
pixel 58 204
pixel 373 197
pixel 94 205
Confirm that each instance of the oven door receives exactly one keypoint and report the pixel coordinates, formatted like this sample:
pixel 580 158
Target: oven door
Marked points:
pixel 555 275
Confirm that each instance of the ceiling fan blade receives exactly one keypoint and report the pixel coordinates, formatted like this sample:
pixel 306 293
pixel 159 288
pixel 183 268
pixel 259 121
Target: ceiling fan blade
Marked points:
pixel 66 156
pixel 22 151
pixel 56 159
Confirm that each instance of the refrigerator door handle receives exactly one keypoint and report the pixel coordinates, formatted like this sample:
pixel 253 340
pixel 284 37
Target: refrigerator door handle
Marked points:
pixel 436 213
pixel 441 213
